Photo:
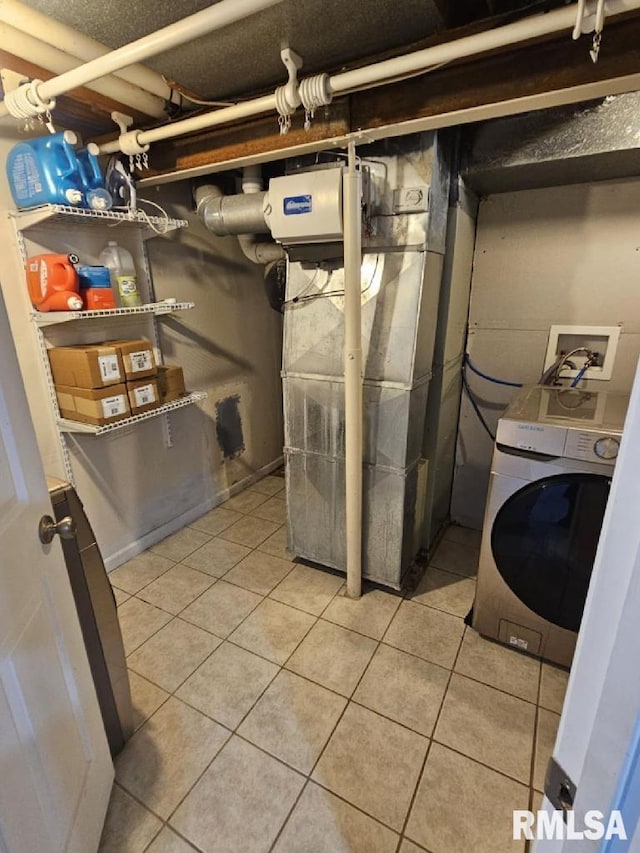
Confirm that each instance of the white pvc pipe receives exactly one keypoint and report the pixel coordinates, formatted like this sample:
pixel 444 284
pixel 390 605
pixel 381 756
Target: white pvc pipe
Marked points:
pixel 260 253
pixel 245 109
pixel 421 60
pixel 214 17
pixel 252 179
pixel 535 26
pixel 75 44
pixel 30 48
pixel 353 428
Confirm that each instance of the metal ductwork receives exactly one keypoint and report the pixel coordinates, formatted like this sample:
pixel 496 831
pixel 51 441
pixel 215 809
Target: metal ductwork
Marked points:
pixel 241 215
pixel 573 144
pixel 226 215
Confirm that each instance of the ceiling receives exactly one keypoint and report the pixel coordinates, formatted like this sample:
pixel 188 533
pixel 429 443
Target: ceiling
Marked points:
pixel 245 57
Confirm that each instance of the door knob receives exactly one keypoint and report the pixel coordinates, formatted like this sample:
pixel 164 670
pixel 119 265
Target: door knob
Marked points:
pixel 48 528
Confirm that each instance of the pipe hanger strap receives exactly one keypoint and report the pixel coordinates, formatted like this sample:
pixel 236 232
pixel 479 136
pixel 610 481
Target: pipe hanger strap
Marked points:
pixel 129 143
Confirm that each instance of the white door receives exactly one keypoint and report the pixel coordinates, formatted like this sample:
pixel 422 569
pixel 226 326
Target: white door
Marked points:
pixel 597 746
pixel 55 767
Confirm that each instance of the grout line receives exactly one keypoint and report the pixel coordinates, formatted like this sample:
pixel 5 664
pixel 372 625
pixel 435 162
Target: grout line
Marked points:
pixel 424 763
pixel 164 625
pixel 136 799
pixel 481 763
pixel 234 731
pixel 534 746
pixel 200 775
pixel 330 737
pixel 212 582
pixel 328 740
pixel 439 609
pixel 307 782
pixel 165 825
pixel 144 586
pixel 493 687
pixel 281 668
pixel 188 554
pixel 146 720
pixel 187 677
pixel 434 663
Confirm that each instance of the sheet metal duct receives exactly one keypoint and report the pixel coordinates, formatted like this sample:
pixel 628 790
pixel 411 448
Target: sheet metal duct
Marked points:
pixel 595 141
pixel 231 214
pixel 401 274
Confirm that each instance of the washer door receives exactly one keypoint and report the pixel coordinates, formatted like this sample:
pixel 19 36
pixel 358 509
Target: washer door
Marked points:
pixel 544 541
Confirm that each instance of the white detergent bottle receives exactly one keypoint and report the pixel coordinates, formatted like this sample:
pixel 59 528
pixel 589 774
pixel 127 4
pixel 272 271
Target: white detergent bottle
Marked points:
pixel 122 273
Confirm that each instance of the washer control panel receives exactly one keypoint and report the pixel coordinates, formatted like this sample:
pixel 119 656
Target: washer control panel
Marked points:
pixel 591 446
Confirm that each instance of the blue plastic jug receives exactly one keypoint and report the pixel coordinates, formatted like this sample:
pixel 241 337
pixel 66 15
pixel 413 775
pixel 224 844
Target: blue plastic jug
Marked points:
pixel 96 195
pixel 45 170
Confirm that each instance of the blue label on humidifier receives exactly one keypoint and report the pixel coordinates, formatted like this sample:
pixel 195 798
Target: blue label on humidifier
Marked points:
pixel 295 204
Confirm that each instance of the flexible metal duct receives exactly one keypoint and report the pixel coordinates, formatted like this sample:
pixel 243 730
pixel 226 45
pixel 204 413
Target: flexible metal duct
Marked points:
pixel 231 214
pixel 242 215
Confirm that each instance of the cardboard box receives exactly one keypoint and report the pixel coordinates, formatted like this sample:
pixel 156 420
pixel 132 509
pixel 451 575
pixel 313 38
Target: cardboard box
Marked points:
pixel 86 366
pixel 170 382
pixel 137 357
pixel 93 405
pixel 143 395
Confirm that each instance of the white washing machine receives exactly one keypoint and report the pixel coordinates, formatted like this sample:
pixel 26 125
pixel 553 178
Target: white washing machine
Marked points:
pixel 550 476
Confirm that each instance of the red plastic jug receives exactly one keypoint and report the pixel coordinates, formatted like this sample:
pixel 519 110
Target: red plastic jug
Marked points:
pixel 53 282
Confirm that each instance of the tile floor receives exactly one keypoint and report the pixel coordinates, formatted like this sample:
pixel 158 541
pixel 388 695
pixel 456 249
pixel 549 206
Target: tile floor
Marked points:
pixel 274 714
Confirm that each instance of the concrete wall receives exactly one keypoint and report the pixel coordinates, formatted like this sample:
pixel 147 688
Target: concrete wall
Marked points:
pixel 134 488
pixel 563 255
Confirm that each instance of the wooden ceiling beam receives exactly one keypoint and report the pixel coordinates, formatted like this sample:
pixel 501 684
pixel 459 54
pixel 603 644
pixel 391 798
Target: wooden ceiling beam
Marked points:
pixel 457 13
pixel 530 70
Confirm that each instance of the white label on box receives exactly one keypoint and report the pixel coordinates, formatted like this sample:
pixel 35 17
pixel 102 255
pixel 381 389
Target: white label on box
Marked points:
pixel 109 367
pixel 144 395
pixel 141 361
pixel 113 406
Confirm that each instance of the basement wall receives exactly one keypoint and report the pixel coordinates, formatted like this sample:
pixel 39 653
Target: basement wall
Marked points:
pixel 135 490
pixel 561 255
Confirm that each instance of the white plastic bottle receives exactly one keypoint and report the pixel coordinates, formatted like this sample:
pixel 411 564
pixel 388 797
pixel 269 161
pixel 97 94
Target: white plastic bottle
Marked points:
pixel 122 273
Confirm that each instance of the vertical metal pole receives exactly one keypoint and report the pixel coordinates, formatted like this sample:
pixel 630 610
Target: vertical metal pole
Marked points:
pixel 353 371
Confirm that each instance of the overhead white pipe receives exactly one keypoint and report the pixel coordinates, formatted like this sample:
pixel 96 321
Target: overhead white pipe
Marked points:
pixel 225 115
pixel 33 50
pixel 260 252
pixel 532 27
pixel 353 428
pixel 77 45
pixel 214 17
pixel 518 31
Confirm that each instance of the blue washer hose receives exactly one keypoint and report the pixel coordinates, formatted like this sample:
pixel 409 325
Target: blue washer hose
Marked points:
pixel 486 376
